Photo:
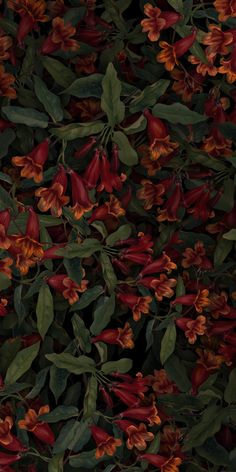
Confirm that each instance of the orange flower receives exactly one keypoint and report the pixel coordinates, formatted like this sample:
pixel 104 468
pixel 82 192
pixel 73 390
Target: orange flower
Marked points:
pixel 138 436
pixel 114 207
pixel 31 418
pixel 86 109
pixel 171 52
pixel 151 166
pixel 71 289
pixel 86 64
pixel 161 383
pixel 23 263
pixel 217 41
pixel 153 24
pixel 192 328
pixel 5 431
pixel 54 196
pixel 105 444
pixel 166 465
pixel 228 68
pixel 124 337
pixel 28 244
pixel 60 38
pixel 143 413
pixel 163 287
pixel 138 305
pixel 5 44
pixel 209 359
pixel 6 80
pixel 33 8
pixel 151 194
pixel 193 256
pixel 225 9
pixel 218 305
pixel 32 163
pixel 216 144
pixel 5 266
pixel 171 438
pixel 186 83
pixel 202 68
pixel 56 8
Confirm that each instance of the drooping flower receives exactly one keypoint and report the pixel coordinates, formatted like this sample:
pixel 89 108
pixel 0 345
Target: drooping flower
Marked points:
pixel 148 414
pixel 111 208
pixel 28 243
pixel 123 337
pixel 165 464
pixel 69 289
pixel 164 262
pixel 186 83
pixel 34 425
pixel 33 162
pixel 196 257
pixel 31 12
pixel 170 209
pixel 151 194
pixel 7 459
pixel 54 197
pixel 138 436
pixel 199 300
pixel 106 444
pixel 80 198
pixel 157 21
pixel 217 41
pixel 162 286
pixel 5 265
pixel 171 52
pixel 6 82
pixel 158 136
pixel 192 328
pixel 228 66
pixel 161 383
pixel 225 8
pixel 5 45
pixel 60 38
pixel 7 439
pixel 138 305
pixel 5 219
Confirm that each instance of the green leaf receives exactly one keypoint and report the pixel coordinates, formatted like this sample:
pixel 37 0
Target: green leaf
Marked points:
pixel 90 398
pixel 72 432
pixel 86 87
pixel 176 371
pixel 178 113
pixel 139 125
pixel 168 342
pixel 26 116
pixel 7 138
pixel 49 100
pixel 86 460
pixel 177 5
pixel 60 73
pixel 228 129
pixel 110 99
pixel 77 130
pixel 103 314
pixel 44 310
pixel 213 452
pixel 180 290
pixel 127 154
pixel 230 391
pixel 88 297
pixel 222 250
pixel 5 282
pixel 38 383
pixel 75 365
pixel 81 333
pixel 108 272
pixel 86 249
pixel 230 235
pixel 122 233
pixel 149 96
pixel 60 413
pixel 5 200
pixel 58 381
pixel 74 269
pixel 122 366
pixel 207 427
pixel 82 436
pixel 56 463
pixel 21 363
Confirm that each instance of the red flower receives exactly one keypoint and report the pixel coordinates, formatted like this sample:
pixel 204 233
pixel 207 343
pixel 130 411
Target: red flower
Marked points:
pixel 5 219
pixel 31 12
pixel 6 82
pixel 40 429
pixel 148 414
pixel 225 9
pixel 80 197
pixel 7 459
pixel 53 197
pixel 199 300
pixel 123 337
pixel 7 440
pixel 85 148
pixel 171 52
pixel 106 444
pixel 60 38
pixel 32 163
pixel 138 436
pixel 69 289
pixel 157 21
pixel 158 135
pixel 28 244
pixel 165 464
pixel 163 263
pixel 138 305
pixel 170 209
pixel 192 328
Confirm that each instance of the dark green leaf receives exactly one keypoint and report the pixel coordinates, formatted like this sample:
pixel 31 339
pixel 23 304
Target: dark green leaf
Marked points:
pixel 110 99
pixel 7 137
pixel 207 427
pixel 44 310
pixel 108 272
pixel 177 5
pixel 127 154
pixel 77 130
pixel 75 365
pixel 21 363
pixel 168 342
pixel 122 233
pixel 60 73
pixel 149 96
pixel 222 250
pixel 49 100
pixel 178 113
pixel 26 116
pixel 90 398
pixel 103 314
pixel 60 413
pixel 38 383
pixel 213 452
pixel 230 391
pixel 73 269
pixel 56 463
pixel 88 297
pixel 86 87
pixel 81 333
pixel 176 371
pixel 122 366
pixel 86 249
pixel 230 235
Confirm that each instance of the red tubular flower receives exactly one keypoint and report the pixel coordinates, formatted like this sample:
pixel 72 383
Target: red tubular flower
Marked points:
pixel 90 36
pixel 123 337
pixel 80 197
pixel 165 464
pixel 126 397
pixel 161 264
pixel 92 172
pixel 138 305
pixel 192 328
pixel 225 9
pixel 110 180
pixel 7 440
pixel 106 397
pixel 199 300
pixel 85 148
pixel 40 429
pixel 162 286
pixel 111 208
pixel 53 197
pixel 171 52
pixel 207 364
pixel 5 219
pixel 157 21
pixel 199 375
pixel 69 289
pixel 106 444
pixel 51 253
pixel 138 436
pixel 60 38
pixel 28 244
pixel 32 163
pixel 158 135
pixel 7 459
pixel 169 211
pixel 221 327
pixel 31 12
pixel 148 414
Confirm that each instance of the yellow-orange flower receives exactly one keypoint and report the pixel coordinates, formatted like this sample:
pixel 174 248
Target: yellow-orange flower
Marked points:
pixel 141 307
pixel 126 337
pixel 138 436
pixel 71 289
pixel 167 56
pixel 163 287
pixel 225 8
pixel 31 418
pixel 186 84
pixel 151 194
pixel 6 82
pixel 172 465
pixel 34 8
pixel 5 266
pixel 146 161
pixel 162 147
pixel 202 300
pixel 202 68
pixel 161 383
pixel 5 44
pixel 114 207
pixel 52 198
pixel 217 41
pixel 5 431
pixel 194 328
pixel 86 64
pixel 29 247
pixel 153 24
pixel 227 68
